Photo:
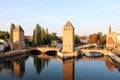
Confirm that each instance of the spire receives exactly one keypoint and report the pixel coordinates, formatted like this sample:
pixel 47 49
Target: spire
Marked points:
pixel 109 29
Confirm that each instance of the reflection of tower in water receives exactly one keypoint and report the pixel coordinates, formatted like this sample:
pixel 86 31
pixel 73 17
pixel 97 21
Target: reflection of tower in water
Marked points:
pixel 109 64
pixel 19 68
pixel 68 69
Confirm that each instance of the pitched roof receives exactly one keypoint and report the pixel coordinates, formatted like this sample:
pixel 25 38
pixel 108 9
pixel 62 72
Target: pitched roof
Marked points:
pixel 68 24
pixel 30 38
pixel 19 28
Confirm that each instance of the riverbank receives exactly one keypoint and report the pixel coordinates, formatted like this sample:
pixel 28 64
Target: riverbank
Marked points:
pixel 13 53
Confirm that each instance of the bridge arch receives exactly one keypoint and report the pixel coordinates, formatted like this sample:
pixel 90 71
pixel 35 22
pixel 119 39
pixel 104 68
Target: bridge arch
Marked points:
pixel 104 52
pixel 51 53
pixel 44 49
pixel 35 52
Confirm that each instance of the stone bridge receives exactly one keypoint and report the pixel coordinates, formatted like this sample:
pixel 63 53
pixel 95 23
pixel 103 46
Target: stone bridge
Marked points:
pixel 45 49
pixel 104 52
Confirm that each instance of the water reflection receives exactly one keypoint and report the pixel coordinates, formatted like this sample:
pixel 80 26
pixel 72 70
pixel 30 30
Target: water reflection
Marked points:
pixel 17 66
pixel 109 64
pixel 68 70
pixel 40 64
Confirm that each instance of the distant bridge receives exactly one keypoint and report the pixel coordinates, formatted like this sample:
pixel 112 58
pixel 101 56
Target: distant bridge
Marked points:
pixel 104 52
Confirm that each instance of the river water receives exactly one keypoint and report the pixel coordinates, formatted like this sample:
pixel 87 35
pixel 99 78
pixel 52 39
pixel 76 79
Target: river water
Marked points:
pixel 37 67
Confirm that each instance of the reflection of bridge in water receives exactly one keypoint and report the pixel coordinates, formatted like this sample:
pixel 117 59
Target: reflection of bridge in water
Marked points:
pixel 44 50
pixel 45 56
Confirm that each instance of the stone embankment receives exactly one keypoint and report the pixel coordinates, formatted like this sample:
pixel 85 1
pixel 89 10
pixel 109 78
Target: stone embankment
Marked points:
pixel 13 53
pixel 68 55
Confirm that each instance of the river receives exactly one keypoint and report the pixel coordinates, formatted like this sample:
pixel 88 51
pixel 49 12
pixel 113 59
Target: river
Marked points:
pixel 36 67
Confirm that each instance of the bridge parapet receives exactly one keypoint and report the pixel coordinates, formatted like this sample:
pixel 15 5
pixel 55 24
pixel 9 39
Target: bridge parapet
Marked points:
pixel 45 49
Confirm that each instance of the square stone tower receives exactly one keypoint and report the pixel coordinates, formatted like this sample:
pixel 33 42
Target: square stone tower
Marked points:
pixel 68 37
pixel 18 37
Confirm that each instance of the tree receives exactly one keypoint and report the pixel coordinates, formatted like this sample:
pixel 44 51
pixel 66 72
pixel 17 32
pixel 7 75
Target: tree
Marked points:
pixel 47 33
pixel 11 30
pixel 98 38
pixel 93 38
pixel 47 37
pixel 43 36
pixel 33 35
pixel 4 35
pixel 53 36
pixel 77 39
pixel 38 35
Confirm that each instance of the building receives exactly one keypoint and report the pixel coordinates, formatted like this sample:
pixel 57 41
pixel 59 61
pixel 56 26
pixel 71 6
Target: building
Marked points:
pixel 18 38
pixel 84 39
pixel 68 37
pixel 2 47
pixel 6 43
pixel 113 39
pixel 29 38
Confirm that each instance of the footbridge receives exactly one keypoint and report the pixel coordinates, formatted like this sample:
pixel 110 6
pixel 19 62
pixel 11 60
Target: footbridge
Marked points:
pixel 104 52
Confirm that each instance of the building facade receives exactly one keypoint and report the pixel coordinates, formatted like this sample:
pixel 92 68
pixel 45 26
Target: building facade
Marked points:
pixel 113 39
pixel 68 37
pixel 18 38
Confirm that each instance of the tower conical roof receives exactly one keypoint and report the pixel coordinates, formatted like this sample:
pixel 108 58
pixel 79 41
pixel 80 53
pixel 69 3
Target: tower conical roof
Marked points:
pixel 68 24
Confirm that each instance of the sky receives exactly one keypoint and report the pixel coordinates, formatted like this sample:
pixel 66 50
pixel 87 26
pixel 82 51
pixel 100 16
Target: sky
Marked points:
pixel 87 16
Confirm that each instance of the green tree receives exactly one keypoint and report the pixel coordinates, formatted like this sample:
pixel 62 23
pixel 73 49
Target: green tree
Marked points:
pixel 43 35
pixel 77 39
pixel 47 32
pixel 11 30
pixel 53 36
pixel 38 34
pixel 33 35
pixel 4 35
pixel 47 37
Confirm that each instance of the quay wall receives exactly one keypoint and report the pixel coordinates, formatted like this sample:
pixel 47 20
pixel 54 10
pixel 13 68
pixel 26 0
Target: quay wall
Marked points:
pixel 13 53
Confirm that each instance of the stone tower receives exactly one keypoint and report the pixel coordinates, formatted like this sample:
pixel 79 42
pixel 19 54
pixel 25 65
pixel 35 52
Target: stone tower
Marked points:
pixel 18 37
pixel 109 29
pixel 68 37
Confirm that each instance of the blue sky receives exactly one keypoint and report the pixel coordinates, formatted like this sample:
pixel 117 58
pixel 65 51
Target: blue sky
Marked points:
pixel 87 16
